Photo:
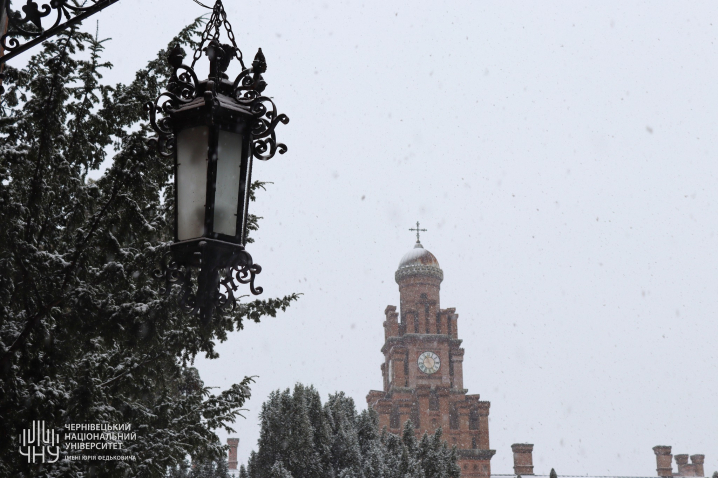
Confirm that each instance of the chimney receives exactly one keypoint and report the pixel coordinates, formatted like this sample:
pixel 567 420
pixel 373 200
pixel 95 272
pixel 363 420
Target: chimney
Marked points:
pixel 664 459
pixel 697 461
pixel 523 458
pixel 233 444
pixel 684 469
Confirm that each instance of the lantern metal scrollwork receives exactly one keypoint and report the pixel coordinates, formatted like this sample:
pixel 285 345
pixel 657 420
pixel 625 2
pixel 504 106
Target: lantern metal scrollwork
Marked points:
pixel 213 129
pixel 39 22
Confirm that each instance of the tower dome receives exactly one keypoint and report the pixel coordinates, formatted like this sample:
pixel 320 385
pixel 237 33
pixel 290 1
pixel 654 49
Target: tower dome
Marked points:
pixel 419 261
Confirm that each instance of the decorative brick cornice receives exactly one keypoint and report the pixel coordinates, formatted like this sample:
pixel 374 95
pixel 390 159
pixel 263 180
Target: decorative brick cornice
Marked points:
pixel 459 391
pixel 418 270
pixel 475 454
pixel 416 338
pixel 394 345
pixel 662 450
pixel 457 355
pixel 401 390
pixel 522 448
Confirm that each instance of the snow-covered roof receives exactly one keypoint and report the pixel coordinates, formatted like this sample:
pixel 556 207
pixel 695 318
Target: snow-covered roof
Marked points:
pixel 418 256
pixel 418 261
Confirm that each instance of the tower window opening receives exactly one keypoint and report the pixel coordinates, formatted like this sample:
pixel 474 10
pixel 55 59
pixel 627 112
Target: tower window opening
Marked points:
pixel 415 417
pixel 474 420
pixel 433 401
pixel 394 419
pixel 406 369
pixel 453 419
pixel 473 443
pixel 416 323
pixel 425 300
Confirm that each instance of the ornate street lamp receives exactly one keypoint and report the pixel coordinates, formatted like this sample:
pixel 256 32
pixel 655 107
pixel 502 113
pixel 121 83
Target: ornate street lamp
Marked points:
pixel 213 129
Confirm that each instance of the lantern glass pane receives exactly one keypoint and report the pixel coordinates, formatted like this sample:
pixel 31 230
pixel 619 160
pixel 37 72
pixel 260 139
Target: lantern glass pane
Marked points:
pixel 226 199
pixel 192 144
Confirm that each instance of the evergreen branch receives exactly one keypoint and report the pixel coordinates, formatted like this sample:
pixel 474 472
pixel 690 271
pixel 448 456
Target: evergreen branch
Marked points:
pixel 32 323
pixel 93 228
pixel 29 325
pixel 44 138
pixel 149 359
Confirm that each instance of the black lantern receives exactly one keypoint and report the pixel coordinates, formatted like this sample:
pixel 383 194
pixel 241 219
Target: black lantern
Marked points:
pixel 213 129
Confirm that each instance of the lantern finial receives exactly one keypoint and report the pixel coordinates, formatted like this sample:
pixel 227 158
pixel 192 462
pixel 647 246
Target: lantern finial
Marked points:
pixel 176 56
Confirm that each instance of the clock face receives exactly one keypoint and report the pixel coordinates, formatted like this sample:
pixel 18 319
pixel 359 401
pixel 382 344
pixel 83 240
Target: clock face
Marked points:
pixel 429 362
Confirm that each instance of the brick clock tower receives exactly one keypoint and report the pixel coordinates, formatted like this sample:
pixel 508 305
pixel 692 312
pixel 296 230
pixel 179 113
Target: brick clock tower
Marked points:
pixel 423 371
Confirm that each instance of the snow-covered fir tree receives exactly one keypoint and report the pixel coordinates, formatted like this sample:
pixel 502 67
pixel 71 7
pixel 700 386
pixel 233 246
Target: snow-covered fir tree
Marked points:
pixel 85 334
pixel 301 438
pixel 204 469
pixel 278 471
pixel 181 470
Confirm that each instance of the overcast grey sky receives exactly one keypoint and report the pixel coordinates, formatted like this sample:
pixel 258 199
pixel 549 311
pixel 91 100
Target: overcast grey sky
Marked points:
pixel 562 156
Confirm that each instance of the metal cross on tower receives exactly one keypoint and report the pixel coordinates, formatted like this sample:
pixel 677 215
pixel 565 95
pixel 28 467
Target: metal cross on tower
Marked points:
pixel 417 230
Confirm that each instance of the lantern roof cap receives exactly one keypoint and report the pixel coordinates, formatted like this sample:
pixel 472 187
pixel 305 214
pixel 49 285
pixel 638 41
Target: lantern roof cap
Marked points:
pixel 419 261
